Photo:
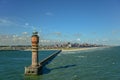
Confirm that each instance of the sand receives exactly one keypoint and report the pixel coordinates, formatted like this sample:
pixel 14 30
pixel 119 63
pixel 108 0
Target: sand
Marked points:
pixel 79 49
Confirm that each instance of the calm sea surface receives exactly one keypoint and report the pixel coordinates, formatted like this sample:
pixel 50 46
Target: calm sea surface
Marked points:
pixel 97 64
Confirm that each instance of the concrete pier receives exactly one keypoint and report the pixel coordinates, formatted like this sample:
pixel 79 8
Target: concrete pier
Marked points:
pixel 38 69
pixel 46 60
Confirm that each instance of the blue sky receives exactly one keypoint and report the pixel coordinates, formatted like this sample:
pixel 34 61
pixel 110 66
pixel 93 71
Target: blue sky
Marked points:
pixel 91 21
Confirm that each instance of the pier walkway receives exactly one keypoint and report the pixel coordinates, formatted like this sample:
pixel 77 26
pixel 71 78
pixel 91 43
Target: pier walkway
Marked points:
pixel 49 58
pixel 38 70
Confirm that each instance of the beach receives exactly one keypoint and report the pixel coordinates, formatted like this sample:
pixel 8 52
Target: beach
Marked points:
pixel 79 49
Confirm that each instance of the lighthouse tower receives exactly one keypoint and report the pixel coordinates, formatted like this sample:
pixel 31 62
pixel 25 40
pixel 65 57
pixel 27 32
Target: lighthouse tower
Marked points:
pixel 35 67
pixel 35 41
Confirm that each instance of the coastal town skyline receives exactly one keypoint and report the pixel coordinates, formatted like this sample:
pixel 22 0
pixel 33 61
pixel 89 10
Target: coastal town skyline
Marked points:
pixel 89 21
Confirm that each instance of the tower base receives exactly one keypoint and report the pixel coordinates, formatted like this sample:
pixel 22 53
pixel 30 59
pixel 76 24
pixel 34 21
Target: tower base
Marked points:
pixel 33 70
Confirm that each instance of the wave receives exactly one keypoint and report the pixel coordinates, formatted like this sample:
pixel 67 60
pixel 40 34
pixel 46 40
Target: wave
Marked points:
pixel 81 56
pixel 69 52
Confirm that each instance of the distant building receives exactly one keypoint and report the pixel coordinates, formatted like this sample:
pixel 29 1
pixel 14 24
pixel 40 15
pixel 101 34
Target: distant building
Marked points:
pixel 69 45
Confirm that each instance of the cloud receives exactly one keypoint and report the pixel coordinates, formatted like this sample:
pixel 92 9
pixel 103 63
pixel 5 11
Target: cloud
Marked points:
pixel 119 39
pixel 10 23
pixel 77 34
pixel 6 22
pixel 115 32
pixel 26 24
pixel 25 33
pixel 57 34
pixel 49 14
pixel 78 39
pixel 13 26
pixel 9 39
pixel 97 40
pixel 94 33
pixel 105 40
pixel 2 21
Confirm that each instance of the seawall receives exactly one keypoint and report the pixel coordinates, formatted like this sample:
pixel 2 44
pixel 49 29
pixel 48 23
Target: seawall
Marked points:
pixel 49 58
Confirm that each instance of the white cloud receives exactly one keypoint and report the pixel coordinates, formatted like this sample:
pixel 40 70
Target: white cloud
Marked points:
pixel 116 32
pixel 77 35
pixel 14 36
pixel 105 40
pixel 97 40
pixel 12 26
pixel 25 33
pixel 6 22
pixel 14 40
pixel 26 24
pixel 78 39
pixel 57 34
pixel 49 14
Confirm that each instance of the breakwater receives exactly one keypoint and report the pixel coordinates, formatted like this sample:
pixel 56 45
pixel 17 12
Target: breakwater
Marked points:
pixel 49 58
pixel 37 70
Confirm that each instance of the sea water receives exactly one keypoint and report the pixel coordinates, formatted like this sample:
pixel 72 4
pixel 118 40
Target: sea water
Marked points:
pixel 94 64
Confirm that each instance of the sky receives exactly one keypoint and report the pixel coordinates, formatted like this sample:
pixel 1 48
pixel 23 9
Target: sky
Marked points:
pixel 82 21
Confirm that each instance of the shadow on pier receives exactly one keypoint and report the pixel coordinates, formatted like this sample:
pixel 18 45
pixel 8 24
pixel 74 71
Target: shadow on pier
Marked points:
pixel 48 70
pixel 49 59
pixel 46 61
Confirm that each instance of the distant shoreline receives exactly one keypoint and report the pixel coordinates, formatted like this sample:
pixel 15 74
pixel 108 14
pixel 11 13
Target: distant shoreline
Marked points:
pixel 75 49
pixel 63 49
pixel 79 49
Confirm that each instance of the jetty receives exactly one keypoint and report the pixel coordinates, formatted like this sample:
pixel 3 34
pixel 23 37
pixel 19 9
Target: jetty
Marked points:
pixel 36 67
pixel 49 58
